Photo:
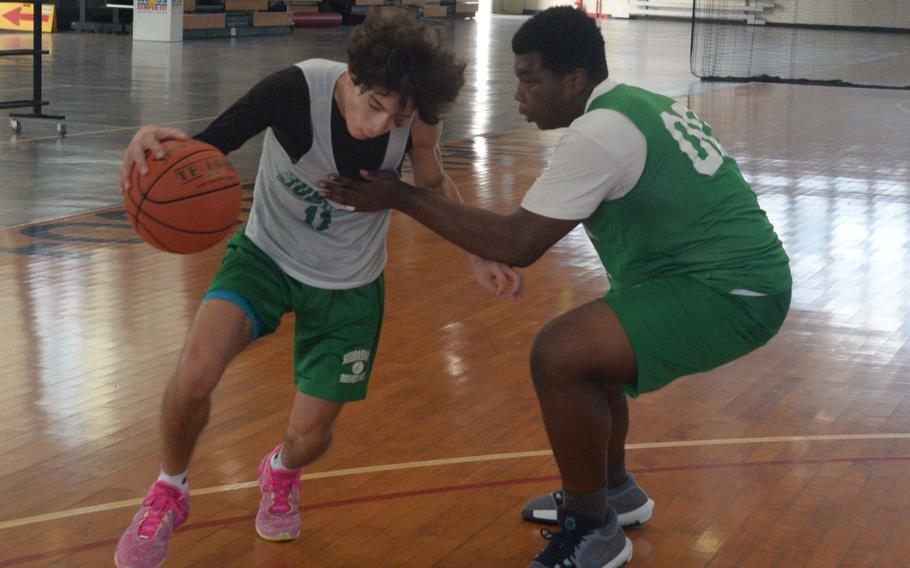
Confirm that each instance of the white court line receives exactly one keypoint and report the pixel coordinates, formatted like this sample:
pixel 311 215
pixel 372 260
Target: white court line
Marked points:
pixel 450 461
pixel 904 106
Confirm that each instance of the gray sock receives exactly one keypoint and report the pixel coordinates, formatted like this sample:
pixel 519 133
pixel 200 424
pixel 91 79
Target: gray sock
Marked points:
pixel 592 505
pixel 616 473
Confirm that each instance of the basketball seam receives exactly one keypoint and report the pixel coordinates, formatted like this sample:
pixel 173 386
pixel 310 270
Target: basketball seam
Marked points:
pixel 152 236
pixel 214 190
pixel 188 231
pixel 138 214
pixel 149 190
pixel 137 205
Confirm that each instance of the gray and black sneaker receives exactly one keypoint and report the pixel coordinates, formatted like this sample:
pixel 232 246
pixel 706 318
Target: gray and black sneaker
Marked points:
pixel 583 543
pixel 631 503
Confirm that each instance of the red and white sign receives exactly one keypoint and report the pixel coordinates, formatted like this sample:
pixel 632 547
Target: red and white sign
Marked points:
pixel 21 17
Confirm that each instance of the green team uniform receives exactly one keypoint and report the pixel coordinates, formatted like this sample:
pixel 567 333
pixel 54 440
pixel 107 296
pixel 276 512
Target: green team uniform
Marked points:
pixel 335 331
pixel 299 252
pixel 698 276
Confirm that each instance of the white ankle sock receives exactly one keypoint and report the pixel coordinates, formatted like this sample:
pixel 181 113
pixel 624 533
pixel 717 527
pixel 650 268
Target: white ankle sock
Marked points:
pixel 277 464
pixel 179 481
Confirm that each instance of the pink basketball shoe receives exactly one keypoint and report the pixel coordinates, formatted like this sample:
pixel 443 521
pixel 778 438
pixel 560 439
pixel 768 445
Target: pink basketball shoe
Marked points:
pixel 278 517
pixel 144 544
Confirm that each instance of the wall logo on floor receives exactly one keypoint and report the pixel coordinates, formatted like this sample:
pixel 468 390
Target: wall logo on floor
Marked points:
pixel 79 236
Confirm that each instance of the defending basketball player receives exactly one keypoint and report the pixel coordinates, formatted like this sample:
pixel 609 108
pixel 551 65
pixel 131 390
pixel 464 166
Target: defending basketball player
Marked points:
pixel 697 274
pixel 300 252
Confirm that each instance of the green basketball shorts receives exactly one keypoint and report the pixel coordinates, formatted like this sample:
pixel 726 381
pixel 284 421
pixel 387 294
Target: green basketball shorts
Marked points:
pixel 679 326
pixel 336 331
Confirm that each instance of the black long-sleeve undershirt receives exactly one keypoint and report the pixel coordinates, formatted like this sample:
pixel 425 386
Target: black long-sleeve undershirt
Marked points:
pixel 282 101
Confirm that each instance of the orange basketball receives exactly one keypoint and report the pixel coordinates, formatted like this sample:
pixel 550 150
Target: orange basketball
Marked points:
pixel 188 201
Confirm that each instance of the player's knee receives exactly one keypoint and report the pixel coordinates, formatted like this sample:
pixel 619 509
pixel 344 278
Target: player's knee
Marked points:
pixel 549 362
pixel 196 375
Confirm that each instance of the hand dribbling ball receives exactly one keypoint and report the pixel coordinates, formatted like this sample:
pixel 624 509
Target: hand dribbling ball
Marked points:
pixel 188 201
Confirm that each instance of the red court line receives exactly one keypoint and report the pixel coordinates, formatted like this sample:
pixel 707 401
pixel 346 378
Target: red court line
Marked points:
pixel 449 489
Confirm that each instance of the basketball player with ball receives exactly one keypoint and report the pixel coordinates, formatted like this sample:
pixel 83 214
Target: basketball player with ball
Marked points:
pixel 300 252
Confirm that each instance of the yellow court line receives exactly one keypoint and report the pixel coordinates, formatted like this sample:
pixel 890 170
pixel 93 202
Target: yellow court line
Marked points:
pixel 450 461
pixel 104 131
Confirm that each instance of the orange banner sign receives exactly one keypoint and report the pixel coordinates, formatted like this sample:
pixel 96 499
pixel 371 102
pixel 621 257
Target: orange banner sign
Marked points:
pixel 21 17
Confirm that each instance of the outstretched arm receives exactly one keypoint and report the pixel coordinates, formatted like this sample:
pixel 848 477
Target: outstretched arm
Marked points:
pixel 516 239
pixel 426 158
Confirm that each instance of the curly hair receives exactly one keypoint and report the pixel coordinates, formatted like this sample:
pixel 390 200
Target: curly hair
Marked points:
pixel 398 55
pixel 567 39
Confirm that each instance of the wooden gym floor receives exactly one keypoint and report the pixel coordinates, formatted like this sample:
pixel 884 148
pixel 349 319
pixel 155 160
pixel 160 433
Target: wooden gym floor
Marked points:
pixel 796 455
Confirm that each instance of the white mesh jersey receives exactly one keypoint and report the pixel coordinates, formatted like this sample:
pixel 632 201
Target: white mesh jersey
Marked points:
pixel 312 239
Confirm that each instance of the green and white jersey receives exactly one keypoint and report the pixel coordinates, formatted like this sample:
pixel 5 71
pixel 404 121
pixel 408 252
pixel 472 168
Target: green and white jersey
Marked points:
pixel 659 196
pixel 314 240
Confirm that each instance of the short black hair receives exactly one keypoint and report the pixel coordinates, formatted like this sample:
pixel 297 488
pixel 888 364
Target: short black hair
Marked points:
pixel 567 39
pixel 397 54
